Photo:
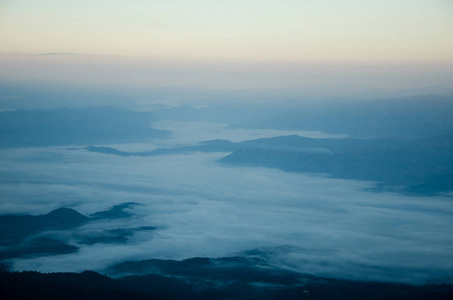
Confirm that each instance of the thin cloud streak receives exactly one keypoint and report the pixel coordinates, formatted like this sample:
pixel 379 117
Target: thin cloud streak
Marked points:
pixel 61 53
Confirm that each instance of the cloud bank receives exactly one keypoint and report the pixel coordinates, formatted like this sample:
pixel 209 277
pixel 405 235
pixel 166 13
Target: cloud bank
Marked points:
pixel 311 224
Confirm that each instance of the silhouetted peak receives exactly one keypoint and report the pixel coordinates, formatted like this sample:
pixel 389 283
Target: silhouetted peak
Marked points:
pixel 66 213
pixel 65 217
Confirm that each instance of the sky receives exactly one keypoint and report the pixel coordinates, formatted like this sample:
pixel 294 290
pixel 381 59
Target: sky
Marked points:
pixel 165 42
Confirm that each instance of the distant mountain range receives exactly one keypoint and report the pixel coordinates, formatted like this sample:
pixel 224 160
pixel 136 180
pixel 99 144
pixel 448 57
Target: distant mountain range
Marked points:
pixel 410 118
pixel 418 167
pixel 409 115
pixel 29 95
pixel 36 128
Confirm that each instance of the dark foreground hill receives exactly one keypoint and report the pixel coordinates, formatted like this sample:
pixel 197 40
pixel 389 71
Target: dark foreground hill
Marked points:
pixel 91 285
pixel 86 285
pixel 35 235
pixel 17 227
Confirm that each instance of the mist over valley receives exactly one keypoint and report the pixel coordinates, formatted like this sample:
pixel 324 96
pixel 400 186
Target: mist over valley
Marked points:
pixel 286 206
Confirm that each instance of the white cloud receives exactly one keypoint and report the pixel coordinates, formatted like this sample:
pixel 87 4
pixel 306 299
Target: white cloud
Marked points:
pixel 329 227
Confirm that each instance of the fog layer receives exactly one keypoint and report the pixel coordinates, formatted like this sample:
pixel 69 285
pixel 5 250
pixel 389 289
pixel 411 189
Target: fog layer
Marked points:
pixel 310 224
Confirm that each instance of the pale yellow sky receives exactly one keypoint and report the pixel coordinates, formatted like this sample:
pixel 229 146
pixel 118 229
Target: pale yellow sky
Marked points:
pixel 249 30
pixel 228 43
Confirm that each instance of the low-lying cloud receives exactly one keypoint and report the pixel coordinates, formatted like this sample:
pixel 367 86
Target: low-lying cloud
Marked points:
pixel 311 224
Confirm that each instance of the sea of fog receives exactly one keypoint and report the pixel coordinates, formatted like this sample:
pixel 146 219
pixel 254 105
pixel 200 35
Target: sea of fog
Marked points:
pixel 307 223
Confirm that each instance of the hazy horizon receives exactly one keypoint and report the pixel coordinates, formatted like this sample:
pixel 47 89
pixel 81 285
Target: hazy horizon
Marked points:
pixel 228 44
